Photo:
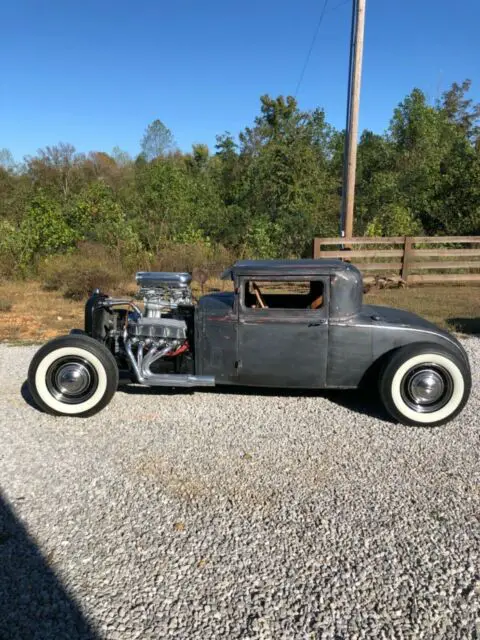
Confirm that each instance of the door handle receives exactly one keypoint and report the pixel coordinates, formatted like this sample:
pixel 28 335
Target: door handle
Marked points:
pixel 318 323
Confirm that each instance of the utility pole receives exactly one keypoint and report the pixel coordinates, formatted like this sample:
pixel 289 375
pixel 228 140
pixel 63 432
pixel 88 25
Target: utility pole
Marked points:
pixel 353 104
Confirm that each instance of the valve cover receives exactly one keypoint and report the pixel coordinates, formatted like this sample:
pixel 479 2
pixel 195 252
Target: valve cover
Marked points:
pixel 167 328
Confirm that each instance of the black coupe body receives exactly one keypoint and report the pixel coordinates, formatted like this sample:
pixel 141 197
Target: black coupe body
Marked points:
pixel 289 344
pixel 289 323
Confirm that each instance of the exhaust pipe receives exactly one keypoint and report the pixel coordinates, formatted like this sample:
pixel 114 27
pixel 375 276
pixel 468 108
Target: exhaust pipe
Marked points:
pixel 144 376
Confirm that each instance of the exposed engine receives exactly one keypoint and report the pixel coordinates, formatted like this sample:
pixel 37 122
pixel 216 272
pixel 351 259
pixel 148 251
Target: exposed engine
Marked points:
pixel 163 291
pixel 163 330
pixel 156 343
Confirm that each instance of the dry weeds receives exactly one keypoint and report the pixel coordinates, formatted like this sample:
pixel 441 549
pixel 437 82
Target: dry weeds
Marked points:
pixel 37 315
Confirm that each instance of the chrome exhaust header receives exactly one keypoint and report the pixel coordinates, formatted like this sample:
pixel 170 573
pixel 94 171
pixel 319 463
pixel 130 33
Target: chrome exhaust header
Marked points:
pixel 141 368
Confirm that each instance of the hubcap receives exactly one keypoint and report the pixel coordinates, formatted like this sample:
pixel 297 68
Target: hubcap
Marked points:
pixel 72 380
pixel 427 388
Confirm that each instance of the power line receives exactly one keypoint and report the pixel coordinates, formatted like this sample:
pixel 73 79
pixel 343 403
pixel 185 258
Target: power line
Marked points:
pixel 314 39
pixel 340 4
pixel 315 35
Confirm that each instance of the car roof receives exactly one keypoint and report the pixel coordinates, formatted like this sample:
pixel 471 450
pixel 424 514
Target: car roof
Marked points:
pixel 301 267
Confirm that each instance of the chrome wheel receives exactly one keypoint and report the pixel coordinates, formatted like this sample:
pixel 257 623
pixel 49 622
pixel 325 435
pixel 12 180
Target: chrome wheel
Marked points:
pixel 427 388
pixel 72 380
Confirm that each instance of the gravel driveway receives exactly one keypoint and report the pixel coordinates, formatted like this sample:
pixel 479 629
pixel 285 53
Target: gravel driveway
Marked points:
pixel 224 515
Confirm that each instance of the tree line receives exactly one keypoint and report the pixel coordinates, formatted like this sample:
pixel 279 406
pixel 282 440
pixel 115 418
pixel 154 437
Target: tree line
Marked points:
pixel 264 193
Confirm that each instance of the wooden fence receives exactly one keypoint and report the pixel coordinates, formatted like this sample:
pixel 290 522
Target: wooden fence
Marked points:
pixel 404 258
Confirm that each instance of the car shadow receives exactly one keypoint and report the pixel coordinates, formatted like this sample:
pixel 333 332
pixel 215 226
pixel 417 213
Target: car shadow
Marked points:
pixel 27 396
pixel 362 401
pixel 465 325
pixel 33 601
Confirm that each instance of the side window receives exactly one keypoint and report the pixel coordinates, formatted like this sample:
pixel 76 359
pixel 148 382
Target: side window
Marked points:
pixel 280 294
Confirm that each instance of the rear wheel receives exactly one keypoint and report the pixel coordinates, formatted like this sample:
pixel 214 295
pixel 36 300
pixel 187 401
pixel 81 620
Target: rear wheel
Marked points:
pixel 73 375
pixel 424 385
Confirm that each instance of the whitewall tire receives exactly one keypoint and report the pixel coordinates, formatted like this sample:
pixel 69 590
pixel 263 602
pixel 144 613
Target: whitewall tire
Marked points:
pixel 425 384
pixel 73 375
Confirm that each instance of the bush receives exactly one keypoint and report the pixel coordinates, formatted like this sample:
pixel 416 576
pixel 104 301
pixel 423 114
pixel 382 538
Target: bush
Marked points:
pixel 394 220
pixel 189 257
pixel 98 218
pixel 77 274
pixel 262 239
pixel 44 230
pixel 5 305
pixel 10 250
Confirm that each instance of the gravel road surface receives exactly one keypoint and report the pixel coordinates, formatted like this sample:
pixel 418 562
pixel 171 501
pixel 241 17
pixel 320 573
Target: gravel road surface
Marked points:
pixel 223 515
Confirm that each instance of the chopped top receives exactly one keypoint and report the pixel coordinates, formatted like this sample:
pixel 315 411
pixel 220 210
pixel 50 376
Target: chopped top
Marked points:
pixel 287 267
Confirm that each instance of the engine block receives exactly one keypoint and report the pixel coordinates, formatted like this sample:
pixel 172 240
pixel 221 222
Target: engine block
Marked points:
pixel 158 328
pixel 163 291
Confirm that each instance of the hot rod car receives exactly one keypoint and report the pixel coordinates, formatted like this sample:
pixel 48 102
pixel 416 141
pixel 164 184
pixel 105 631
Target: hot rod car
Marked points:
pixel 287 323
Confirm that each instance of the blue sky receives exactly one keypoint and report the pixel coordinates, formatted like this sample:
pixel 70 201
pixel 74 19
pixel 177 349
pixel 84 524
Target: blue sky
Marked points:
pixel 96 72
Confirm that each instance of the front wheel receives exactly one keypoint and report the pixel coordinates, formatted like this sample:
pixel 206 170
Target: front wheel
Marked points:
pixel 424 385
pixel 73 375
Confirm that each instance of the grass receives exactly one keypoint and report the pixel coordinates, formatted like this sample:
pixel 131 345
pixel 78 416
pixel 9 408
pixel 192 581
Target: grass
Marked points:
pixel 37 315
pixel 5 305
pixel 452 307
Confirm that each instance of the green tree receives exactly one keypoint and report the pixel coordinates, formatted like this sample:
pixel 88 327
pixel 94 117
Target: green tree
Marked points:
pixel 436 161
pixel 95 215
pixel 157 140
pixel 164 203
pixel 460 110
pixel 263 194
pixel 287 180
pixel 58 171
pixel 44 230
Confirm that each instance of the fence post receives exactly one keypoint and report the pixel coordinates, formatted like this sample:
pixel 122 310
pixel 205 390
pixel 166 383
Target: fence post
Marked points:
pixel 317 248
pixel 407 247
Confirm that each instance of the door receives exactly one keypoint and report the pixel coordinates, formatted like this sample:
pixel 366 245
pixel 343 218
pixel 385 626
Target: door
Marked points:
pixel 283 332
